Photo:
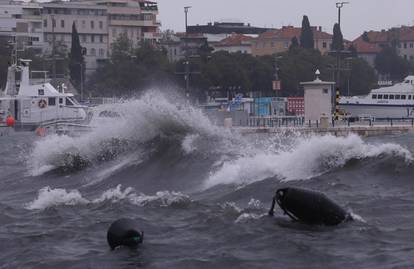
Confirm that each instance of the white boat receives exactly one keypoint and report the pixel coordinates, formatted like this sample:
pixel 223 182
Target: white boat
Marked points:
pixel 396 101
pixel 35 102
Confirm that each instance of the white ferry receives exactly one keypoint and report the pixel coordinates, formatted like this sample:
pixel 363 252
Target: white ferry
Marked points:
pixel 36 103
pixel 396 101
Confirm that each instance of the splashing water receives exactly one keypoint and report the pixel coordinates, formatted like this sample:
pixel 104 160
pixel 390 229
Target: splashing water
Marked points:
pixel 307 157
pixel 48 197
pixel 139 121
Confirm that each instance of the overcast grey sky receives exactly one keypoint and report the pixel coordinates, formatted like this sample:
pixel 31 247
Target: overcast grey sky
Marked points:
pixel 358 16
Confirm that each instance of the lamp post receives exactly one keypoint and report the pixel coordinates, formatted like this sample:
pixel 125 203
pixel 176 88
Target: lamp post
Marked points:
pixel 339 6
pixel 186 15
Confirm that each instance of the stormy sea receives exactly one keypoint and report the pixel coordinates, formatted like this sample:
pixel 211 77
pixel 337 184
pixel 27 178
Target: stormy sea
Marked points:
pixel 200 193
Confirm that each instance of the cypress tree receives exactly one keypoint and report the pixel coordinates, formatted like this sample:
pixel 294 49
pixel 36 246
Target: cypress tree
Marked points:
pixel 306 36
pixel 76 60
pixel 338 39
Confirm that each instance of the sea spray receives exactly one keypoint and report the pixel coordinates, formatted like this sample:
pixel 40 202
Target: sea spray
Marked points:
pixel 49 197
pixel 307 157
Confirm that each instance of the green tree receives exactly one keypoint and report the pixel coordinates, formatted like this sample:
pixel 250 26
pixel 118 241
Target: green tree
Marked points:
pixel 76 60
pixel 5 56
pixel 294 43
pixel 337 40
pixel 388 62
pixel 131 70
pixel 306 36
pixel 362 78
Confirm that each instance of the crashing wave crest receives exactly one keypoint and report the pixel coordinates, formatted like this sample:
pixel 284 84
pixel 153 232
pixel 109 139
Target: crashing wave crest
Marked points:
pixel 307 157
pixel 48 198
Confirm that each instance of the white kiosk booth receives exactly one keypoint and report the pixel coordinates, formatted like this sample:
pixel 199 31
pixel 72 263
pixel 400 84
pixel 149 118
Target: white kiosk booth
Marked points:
pixel 319 100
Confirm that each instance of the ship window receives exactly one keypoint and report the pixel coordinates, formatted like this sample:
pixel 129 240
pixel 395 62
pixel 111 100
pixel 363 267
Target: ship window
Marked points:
pixel 403 97
pixel 398 97
pixel 69 102
pixel 60 100
pixel 41 92
pixel 379 96
pixel 51 101
pixel 385 96
pixel 374 96
pixel 392 96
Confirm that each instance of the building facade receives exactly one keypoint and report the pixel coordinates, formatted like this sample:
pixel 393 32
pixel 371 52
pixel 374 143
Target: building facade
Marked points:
pixel 48 26
pixel 22 22
pixel 279 40
pixel 235 43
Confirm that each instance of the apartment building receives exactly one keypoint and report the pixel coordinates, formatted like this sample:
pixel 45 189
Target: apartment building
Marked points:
pixel 47 26
pixel 235 43
pixel 279 40
pixel 91 23
pixel 373 42
pixel 135 18
pixel 22 22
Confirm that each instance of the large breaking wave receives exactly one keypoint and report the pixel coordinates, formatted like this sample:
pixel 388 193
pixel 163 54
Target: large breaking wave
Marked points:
pixel 140 127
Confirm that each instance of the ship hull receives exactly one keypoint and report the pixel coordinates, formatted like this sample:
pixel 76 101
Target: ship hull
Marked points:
pixel 378 110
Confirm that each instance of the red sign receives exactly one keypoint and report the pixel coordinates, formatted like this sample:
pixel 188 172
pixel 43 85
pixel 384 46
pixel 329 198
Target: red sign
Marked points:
pixel 276 85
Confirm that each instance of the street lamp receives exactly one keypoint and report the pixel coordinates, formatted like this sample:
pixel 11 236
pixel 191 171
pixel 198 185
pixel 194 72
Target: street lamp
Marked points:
pixel 186 14
pixel 339 6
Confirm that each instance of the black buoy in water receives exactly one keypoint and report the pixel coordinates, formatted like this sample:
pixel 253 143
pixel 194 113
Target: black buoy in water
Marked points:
pixel 309 207
pixel 124 232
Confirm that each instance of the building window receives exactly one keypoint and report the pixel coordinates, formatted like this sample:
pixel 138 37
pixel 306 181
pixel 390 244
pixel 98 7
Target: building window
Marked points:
pixel 93 52
pixel 411 45
pixel 83 24
pixel 405 45
pixel 385 96
pixel 325 91
pixel 403 97
pixel 374 96
pixel 409 97
pixel 101 39
pixel 92 38
pixel 92 24
pixel 83 38
pixel 379 96
pixel 45 23
pixel 101 25
pixel 324 45
pixel 51 101
pixel 114 32
pixel 392 97
pixel 101 52
pixel 53 23
pixel 62 23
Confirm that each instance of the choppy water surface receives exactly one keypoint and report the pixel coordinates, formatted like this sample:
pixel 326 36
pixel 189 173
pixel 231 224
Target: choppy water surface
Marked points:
pixel 201 195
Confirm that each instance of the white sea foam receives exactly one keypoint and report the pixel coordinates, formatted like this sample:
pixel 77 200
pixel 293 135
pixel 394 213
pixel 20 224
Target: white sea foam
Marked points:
pixel 306 158
pixel 48 197
pixel 248 217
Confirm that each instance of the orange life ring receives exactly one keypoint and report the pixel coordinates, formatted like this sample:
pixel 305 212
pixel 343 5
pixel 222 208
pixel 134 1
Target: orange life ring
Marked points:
pixel 42 103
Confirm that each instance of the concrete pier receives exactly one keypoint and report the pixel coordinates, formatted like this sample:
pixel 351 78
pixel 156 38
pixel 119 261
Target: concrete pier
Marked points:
pixel 337 131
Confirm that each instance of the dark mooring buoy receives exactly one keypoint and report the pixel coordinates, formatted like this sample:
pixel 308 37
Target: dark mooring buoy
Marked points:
pixel 310 207
pixel 124 232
